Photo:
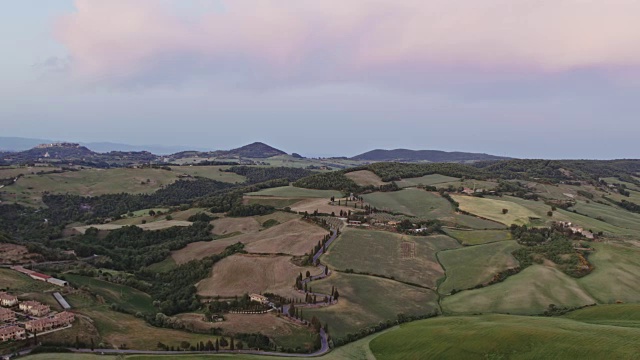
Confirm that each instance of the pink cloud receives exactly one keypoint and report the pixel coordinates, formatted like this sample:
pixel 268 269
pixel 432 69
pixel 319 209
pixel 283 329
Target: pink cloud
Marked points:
pixel 354 40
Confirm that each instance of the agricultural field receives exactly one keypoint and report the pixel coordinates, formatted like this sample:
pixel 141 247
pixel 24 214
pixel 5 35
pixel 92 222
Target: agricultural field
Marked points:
pixel 492 209
pixel 295 237
pixel 478 237
pixel 409 259
pixel 413 202
pixel 611 214
pixel 469 183
pixel 365 178
pixel 614 260
pixel 475 265
pixel 427 180
pixel 472 222
pixel 367 300
pixel 528 293
pixel 156 225
pixel 247 274
pixel 88 182
pixel 11 254
pixel 210 172
pixel 127 298
pixel 245 225
pixel 322 206
pixel 19 283
pixel 627 315
pixel 505 337
pixel 275 201
pixel 296 192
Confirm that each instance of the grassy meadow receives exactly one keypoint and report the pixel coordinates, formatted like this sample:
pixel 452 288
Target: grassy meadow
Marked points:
pixel 492 209
pixel 478 237
pixel 296 192
pixel 506 337
pixel 413 202
pixel 367 300
pixel 426 180
pixel 365 178
pixel 405 258
pixel 528 293
pixel 475 265
pixel 127 298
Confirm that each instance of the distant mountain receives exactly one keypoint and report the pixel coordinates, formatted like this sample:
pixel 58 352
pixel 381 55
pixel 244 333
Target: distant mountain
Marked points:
pixel 256 150
pixel 424 155
pixel 21 144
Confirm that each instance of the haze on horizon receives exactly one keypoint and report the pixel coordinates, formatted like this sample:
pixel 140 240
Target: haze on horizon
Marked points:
pixel 534 79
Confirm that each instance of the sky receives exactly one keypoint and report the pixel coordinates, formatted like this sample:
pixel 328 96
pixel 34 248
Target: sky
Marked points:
pixel 529 78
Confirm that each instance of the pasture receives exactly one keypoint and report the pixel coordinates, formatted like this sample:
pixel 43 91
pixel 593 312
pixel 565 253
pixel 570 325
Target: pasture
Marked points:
pixel 427 180
pixel 296 192
pixel 413 202
pixel 19 283
pixel 475 265
pixel 472 222
pixel 275 201
pixel 615 277
pixel 322 206
pixel 295 237
pixel 210 172
pixel 505 337
pixel 627 315
pixel 611 214
pixel 156 225
pixel 89 182
pixel 492 209
pixel 245 225
pixel 128 298
pixel 528 293
pixel 246 274
pixel 367 300
pixel 406 258
pixel 365 178
pixel 478 237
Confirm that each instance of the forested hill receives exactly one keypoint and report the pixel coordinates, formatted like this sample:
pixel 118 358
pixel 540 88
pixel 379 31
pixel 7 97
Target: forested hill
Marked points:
pixel 424 155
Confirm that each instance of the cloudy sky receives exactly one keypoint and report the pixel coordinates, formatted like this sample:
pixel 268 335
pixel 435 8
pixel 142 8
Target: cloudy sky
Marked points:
pixel 528 78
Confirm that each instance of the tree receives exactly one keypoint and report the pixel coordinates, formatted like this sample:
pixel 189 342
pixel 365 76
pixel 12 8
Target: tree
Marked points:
pixel 336 294
pixel 232 345
pixel 185 345
pixel 152 213
pixel 92 344
pixel 504 211
pixel 77 342
pixel 223 342
pixel 549 213
pixel 239 345
pixel 217 345
pixel 308 273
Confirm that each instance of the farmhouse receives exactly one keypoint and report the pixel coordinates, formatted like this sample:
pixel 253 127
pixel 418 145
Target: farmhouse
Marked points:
pixel 8 300
pixel 354 223
pixel 44 324
pixel 258 298
pixel 7 315
pixel 12 333
pixel 34 308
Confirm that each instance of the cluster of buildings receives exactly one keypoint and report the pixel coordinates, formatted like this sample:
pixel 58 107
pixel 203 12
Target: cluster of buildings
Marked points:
pixel 576 229
pixel 37 317
pixel 40 277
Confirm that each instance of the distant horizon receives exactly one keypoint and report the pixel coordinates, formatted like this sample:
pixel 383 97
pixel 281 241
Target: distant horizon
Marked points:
pixel 204 149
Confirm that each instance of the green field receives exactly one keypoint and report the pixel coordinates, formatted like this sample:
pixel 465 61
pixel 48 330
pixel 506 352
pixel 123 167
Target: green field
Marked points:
pixel 296 192
pixel 165 265
pixel 527 293
pixel 506 337
pixel 367 300
pixel 426 180
pixel 381 253
pixel 469 183
pixel 129 299
pixel 413 202
pixel 211 172
pixel 276 202
pixel 475 265
pixel 88 182
pixel 613 215
pixel 616 276
pixel 17 282
pixel 478 237
pixel 492 209
pixel 627 315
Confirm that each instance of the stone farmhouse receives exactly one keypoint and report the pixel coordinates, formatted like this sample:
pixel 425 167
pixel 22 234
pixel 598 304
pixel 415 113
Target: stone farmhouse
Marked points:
pixel 258 298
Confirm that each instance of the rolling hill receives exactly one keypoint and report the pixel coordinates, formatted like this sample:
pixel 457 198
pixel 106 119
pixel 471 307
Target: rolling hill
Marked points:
pixel 424 155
